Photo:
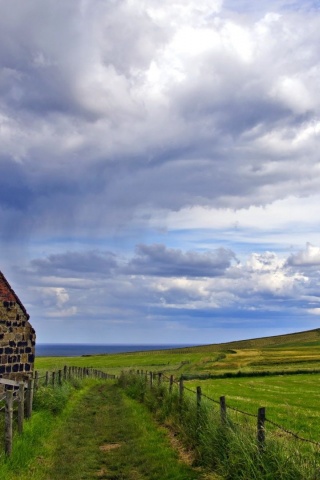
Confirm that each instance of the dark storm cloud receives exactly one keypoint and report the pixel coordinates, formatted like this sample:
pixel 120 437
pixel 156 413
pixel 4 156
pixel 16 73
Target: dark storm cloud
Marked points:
pixel 132 106
pixel 158 260
pixel 75 263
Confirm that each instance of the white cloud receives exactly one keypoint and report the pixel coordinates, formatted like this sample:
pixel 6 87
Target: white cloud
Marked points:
pixel 67 312
pixel 294 94
pixel 308 257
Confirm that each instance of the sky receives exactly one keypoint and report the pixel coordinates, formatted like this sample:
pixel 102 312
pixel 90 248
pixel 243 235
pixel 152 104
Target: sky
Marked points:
pixel 160 168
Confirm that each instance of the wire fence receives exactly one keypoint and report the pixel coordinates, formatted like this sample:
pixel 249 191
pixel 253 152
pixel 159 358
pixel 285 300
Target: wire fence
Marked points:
pixel 260 417
pixel 17 400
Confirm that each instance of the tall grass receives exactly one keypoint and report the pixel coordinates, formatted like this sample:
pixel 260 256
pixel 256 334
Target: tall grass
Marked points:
pixel 230 448
pixel 51 407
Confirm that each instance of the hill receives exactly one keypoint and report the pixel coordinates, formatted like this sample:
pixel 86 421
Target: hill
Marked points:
pixel 299 339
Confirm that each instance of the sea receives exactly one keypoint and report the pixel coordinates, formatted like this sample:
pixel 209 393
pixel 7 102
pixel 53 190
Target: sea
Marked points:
pixel 78 350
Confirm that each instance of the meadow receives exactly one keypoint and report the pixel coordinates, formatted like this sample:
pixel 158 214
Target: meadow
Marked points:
pixel 273 363
pixel 271 354
pixel 291 400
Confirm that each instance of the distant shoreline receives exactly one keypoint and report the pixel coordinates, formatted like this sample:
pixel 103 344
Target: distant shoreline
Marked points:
pixel 78 350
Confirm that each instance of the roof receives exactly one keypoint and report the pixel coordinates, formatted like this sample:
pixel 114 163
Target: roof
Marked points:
pixel 7 294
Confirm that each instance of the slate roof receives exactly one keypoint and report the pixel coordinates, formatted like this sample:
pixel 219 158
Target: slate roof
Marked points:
pixel 7 294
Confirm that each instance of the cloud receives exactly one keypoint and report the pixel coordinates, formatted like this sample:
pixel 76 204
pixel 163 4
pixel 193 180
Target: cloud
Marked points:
pixel 153 106
pixel 157 260
pixel 309 257
pixel 75 263
pixel 189 129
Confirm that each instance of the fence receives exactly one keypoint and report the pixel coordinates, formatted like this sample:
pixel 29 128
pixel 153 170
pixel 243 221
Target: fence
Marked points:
pixel 261 417
pixel 20 395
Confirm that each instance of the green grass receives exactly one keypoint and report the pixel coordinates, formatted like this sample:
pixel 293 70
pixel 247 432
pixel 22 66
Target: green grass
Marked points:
pixel 114 438
pixel 230 449
pixel 281 353
pixel 89 432
pixel 31 447
pixel 292 401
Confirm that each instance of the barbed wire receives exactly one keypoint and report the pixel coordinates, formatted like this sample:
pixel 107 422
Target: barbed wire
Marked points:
pixel 248 414
pixel 235 409
pixel 209 398
pixel 189 390
pixel 293 434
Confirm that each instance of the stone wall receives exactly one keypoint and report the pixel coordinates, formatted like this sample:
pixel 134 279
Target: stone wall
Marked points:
pixel 17 342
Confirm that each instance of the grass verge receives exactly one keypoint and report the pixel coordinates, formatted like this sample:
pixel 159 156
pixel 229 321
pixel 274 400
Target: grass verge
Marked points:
pixel 94 431
pixel 32 447
pixel 229 449
pixel 110 436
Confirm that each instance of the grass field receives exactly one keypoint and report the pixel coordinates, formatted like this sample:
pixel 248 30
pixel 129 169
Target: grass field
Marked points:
pixel 292 401
pixel 285 352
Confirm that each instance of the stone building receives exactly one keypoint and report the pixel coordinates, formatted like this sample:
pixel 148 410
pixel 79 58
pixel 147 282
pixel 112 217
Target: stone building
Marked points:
pixel 17 337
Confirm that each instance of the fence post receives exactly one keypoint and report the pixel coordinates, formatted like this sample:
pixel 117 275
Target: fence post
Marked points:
pixel 159 378
pixel 198 404
pixel 181 388
pixel 260 427
pixel 198 397
pixel 47 379
pixel 36 379
pixel 65 373
pixel 20 407
pixel 60 377
pixel 53 378
pixel 171 384
pixel 180 396
pixel 223 410
pixel 8 422
pixel 29 397
pixel 151 379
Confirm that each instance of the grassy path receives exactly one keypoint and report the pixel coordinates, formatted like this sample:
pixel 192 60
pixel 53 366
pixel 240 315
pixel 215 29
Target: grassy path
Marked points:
pixel 110 436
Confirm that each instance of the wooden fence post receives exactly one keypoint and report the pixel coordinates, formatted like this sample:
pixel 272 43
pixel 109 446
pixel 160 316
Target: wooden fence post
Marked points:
pixel 181 388
pixel 198 397
pixel 47 379
pixel 198 404
pixel 260 428
pixel 159 378
pixel 65 373
pixel 151 379
pixel 36 379
pixel 53 378
pixel 30 397
pixel 8 422
pixel 223 410
pixel 171 384
pixel 60 377
pixel 180 396
pixel 20 407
